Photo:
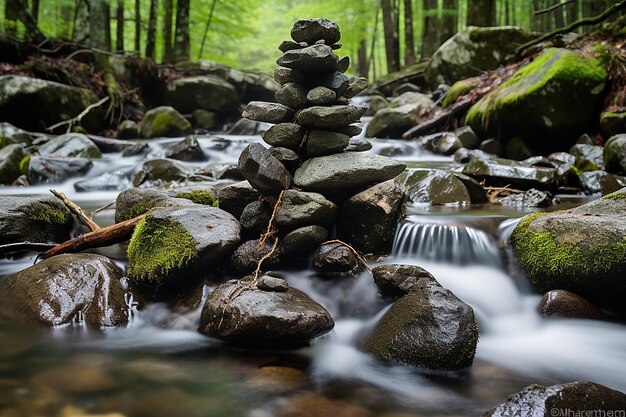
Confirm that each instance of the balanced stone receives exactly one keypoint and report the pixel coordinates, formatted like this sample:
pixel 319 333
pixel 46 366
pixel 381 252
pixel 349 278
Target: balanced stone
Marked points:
pixel 321 95
pixel 286 135
pixel 322 142
pixel 351 130
pixel 283 75
pixel 256 216
pixel 263 170
pixel 336 81
pixel 286 156
pixel 304 240
pixel 292 95
pixel 299 208
pixel 288 46
pixel 329 117
pixel 343 64
pixel 312 59
pixel 312 30
pixel 267 112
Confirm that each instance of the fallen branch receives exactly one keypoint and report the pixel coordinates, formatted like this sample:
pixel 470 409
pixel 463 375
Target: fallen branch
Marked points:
pixel 493 192
pixel 105 236
pixel 26 246
pixel 553 7
pixel 440 119
pixel 78 118
pixel 354 251
pixel 77 211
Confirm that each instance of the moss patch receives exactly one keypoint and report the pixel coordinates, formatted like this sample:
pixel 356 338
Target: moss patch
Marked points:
pixel 24 164
pixel 157 248
pixel 615 196
pixel 459 89
pixel 199 197
pixel 138 209
pixel 49 212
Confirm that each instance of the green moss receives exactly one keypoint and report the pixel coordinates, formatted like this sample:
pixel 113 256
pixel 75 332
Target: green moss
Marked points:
pixel 138 209
pixel 4 141
pixel 24 164
pixel 585 165
pixel 615 196
pixel 199 197
pixel 157 248
pixel 458 89
pixel 51 213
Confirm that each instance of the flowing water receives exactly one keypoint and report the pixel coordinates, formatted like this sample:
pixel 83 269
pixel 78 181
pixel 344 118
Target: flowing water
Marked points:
pixel 159 365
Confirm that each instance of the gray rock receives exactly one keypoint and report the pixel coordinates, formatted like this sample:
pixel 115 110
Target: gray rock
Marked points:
pixel 345 172
pixel 186 150
pixel 562 158
pixel 614 154
pixel 128 129
pixel 66 288
pixel 299 208
pixel 158 171
pixel 355 87
pixel 322 142
pixel 613 123
pixel 286 135
pixel 562 303
pixel 368 219
pixel 428 328
pixel 74 145
pixel 491 146
pixel 343 64
pixel 588 157
pixel 11 134
pixel 501 172
pixel 233 198
pixel 397 280
pixel 137 201
pixel 262 170
pixel 312 59
pixel 263 318
pixel 434 186
pixel 405 88
pixel 375 104
pixel 402 113
pixel 312 30
pixel 289 46
pixel 261 111
pixel 531 198
pixel 248 255
pixel 174 244
pixel 272 284
pixel 303 241
pixel 53 169
pixel 477 193
pixel 358 145
pixel 248 127
pixel 465 155
pixel 329 117
pixel 206 92
pixel 447 144
pixel 286 156
pixel 598 182
pixel 109 181
pixel 164 121
pixel 256 216
pixel 292 95
pixel 284 75
pixel 335 81
pixel 350 130
pixel 467 137
pixel 34 219
pixel 321 96
pixel 333 258
pixel 11 166
pixel 204 119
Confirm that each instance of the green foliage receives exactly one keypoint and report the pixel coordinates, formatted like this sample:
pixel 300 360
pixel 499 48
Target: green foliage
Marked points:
pixel 200 197
pixel 615 196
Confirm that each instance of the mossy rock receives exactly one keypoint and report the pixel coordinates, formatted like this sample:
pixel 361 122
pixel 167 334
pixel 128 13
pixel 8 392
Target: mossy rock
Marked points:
pixel 137 201
pixel 582 250
pixel 459 89
pixel 549 102
pixel 178 244
pixel 614 154
pixel 613 123
pixel 34 219
pixel 11 166
pixel 164 121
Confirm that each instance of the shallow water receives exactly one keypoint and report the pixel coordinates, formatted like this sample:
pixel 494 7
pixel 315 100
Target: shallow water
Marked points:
pixel 159 365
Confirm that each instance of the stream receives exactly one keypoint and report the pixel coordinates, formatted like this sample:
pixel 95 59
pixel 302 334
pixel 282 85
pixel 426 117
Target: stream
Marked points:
pixel 159 365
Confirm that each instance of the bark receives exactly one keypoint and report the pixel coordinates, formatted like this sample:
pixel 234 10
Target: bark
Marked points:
pixel 11 8
pixel 97 25
pixel 119 34
pixel 362 63
pixel 23 14
pixel 430 35
pixel 449 20
pixel 167 31
pixel 107 25
pixel 81 22
pixel 559 17
pixel 151 36
pixel 181 37
pixel 138 26
pixel 409 37
pixel 481 12
pixel 390 30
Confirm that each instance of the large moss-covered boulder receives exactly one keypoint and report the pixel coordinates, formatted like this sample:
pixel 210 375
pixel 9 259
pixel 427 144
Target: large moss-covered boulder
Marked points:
pixel 549 102
pixel 34 219
pixel 13 162
pixel 164 121
pixel 137 201
pixel 206 92
pixel 474 50
pixel 582 250
pixel 178 243
pixel 80 287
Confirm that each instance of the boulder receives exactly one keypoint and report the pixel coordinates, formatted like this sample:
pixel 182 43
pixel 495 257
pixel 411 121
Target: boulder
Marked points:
pixel 299 208
pixel 67 288
pixel 345 172
pixel 186 150
pixel 34 219
pixel 598 182
pixel 428 328
pixel 13 163
pixel 312 59
pixel 368 219
pixel 614 154
pixel 434 186
pixel 74 145
pixel 137 201
pixel 128 129
pixel 576 398
pixel 581 250
pixel 562 303
pixel 402 113
pixel 204 119
pixel 588 157
pixel 174 244
pixel 53 169
pixel 323 142
pixel 263 171
pixel 312 30
pixel 474 50
pixel 248 255
pixel 500 172
pixel 286 135
pixel 292 95
pixel 548 102
pixel 613 123
pixel 207 92
pixel 375 104
pixel 333 258
pixel 233 198
pixel 396 280
pixel 262 111
pixel 164 121
pixel 263 318
pixel 158 171
pixel 329 117
pixel 303 241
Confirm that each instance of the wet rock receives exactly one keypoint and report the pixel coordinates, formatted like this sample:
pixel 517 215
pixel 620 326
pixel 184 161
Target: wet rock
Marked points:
pixel 358 145
pixel 375 104
pixel 303 241
pixel 350 130
pixel 128 129
pixel 465 155
pixel 501 172
pixel 186 150
pixel 70 145
pixel 174 244
pixel 368 219
pixel 292 95
pixel 540 161
pixel 323 142
pixel 109 181
pixel 574 397
pixel 206 92
pixel 345 172
pixel 585 242
pixel 335 81
pixel 53 169
pixel 467 137
pixel 613 123
pixel 286 156
pixel 343 64
pixel 248 127
pixel 299 208
pixel 598 182
pixel 402 113
pixel 233 198
pixel 161 170
pixel 588 157
pixel 284 75
pixel 447 144
pixel 289 46
pixel 164 121
pixel 332 258
pixel 272 283
pixel 262 318
pixel 65 288
pixel 256 216
pixel 262 170
pixel 531 198
pixel 329 117
pixel 316 405
pixel 312 30
pixel 396 280
pixel 248 255
pixel 137 201
pixel 405 88
pixel 491 146
pixel 562 158
pixel 321 96
pixel 562 303
pixel 614 154
pixel 355 87
pixel 262 111
pixel 34 219
pixel 477 193
pixel 10 134
pixel 202 193
pixel 312 59
pixel 459 89
pixel 428 328
pixel 286 135
pixel 11 165
pixel 204 119
pixel 434 186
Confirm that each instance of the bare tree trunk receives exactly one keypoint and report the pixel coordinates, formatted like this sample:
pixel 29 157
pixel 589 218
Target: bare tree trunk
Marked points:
pixel 481 12
pixel 119 34
pixel 559 17
pixel 138 26
pixel 22 13
pixel 449 20
pixel 572 12
pixel 97 25
pixel 167 32
pixel 107 25
pixel 10 16
pixel 390 28
pixel 81 22
pixel 34 10
pixel 409 37
pixel 362 64
pixel 151 36
pixel 507 12
pixel 181 37
pixel 65 13
pixel 430 34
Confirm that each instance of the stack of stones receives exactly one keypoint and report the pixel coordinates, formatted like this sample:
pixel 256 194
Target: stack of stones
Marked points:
pixel 311 153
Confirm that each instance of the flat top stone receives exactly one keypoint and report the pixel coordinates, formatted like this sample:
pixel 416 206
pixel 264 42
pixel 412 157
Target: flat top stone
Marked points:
pixel 330 117
pixel 312 30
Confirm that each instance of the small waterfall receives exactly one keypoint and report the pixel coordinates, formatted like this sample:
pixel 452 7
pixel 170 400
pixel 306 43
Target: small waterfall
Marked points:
pixel 455 244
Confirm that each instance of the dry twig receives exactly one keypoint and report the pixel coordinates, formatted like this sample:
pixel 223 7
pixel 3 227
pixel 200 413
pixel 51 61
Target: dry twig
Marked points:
pixel 71 122
pixel 76 211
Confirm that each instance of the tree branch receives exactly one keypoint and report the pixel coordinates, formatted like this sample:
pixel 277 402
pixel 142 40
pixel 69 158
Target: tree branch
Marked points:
pixel 26 246
pixel 76 211
pixel 553 7
pixel 78 118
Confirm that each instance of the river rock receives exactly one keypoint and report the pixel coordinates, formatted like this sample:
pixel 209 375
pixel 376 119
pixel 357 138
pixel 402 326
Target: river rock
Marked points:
pixel 501 172
pixel 248 255
pixel 577 398
pixel 109 181
pixel 333 258
pixel 174 244
pixel 70 145
pixel 562 303
pixel 263 318
pixel 587 244
pixel 350 130
pixel 531 198
pixel 256 216
pixel 10 134
pixel 477 193
pixel 312 59
pixel 548 103
pixel 368 219
pixel 312 30
pixel 292 95
pixel 375 104
pixel 137 201
pixel 161 170
pixel 262 170
pixel 428 328
pixel 613 123
pixel 286 135
pixel 233 198
pixel 206 92
pixel 614 154
pixel 598 182
pixel 128 129
pixel 329 117
pixel 588 157
pixel 285 156
pixel 11 165
pixel 355 87
pixel 345 172
pixel 320 96
pixel 323 142
pixel 34 219
pixel 358 145
pixel 397 280
pixel 434 186
pixel 53 169
pixel 402 113
pixel 303 241
pixel 66 288
pixel 299 208
pixel 335 81
pixel 186 150
pixel 262 111
pixel 284 75
pixel 164 121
